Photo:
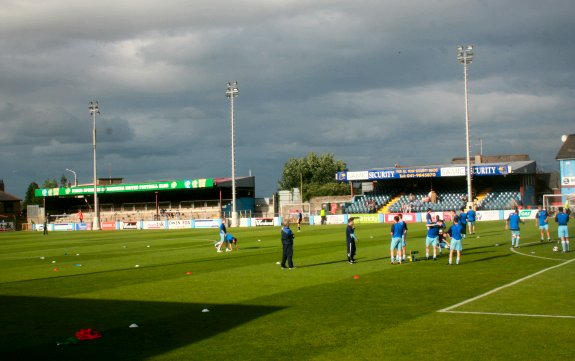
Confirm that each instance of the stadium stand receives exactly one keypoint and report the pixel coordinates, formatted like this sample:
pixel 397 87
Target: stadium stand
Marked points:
pixel 501 198
pixel 369 202
pixel 418 201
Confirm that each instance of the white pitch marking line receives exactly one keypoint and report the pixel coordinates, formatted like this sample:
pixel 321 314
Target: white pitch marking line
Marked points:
pixel 504 286
pixel 507 314
pixel 530 255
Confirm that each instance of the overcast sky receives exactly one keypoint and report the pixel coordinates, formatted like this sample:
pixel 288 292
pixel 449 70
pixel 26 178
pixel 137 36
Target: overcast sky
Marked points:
pixel 375 82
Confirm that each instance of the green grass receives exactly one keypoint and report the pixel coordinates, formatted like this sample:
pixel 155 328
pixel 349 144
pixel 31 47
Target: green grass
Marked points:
pixel 258 311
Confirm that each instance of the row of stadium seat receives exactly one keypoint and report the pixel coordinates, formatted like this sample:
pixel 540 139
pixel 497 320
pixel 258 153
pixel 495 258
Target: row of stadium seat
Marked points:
pixel 447 200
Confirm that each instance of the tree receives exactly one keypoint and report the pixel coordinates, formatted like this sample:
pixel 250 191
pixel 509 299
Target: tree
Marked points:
pixel 63 181
pixel 50 183
pixel 30 198
pixel 315 173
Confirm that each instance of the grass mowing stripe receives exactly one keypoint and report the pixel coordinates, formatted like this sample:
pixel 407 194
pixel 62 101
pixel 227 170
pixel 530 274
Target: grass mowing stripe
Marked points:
pixel 448 309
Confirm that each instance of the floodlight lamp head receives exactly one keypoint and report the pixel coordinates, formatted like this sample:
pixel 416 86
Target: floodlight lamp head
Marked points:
pixel 465 54
pixel 232 89
pixel 94 108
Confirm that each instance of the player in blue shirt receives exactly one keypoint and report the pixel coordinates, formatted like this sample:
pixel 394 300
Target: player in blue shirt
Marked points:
pixel 404 236
pixel 463 221
pixel 223 232
pixel 432 238
pixel 512 223
pixel 471 215
pixel 455 232
pixel 562 219
pixel 397 231
pixel 231 241
pixel 542 220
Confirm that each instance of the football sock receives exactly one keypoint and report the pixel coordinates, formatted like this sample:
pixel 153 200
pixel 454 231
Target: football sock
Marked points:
pixel 563 246
pixel 517 242
pixel 457 260
pixel 450 261
pixel 567 246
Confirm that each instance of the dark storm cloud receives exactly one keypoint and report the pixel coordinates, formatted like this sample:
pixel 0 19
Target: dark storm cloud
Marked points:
pixel 374 82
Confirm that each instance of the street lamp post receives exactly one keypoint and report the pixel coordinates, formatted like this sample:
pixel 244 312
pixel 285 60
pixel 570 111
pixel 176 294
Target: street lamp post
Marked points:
pixel 94 109
pixel 232 92
pixel 75 178
pixel 465 56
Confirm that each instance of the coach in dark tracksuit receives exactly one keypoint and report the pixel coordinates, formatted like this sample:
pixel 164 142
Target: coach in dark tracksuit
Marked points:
pixel 287 243
pixel 350 240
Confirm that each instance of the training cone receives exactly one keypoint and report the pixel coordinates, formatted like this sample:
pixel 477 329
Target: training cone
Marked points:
pixel 133 325
pixel 56 269
pixel 355 277
pixel 205 310
pixel 188 273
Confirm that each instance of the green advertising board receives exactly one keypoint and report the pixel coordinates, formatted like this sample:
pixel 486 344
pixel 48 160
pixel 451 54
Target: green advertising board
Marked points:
pixel 127 188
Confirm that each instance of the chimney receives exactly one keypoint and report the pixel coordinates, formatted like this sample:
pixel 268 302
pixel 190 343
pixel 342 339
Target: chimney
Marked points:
pixel 1 185
pixel 478 159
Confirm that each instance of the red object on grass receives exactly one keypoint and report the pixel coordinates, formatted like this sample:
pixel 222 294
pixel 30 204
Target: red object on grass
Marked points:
pixel 356 277
pixel 88 334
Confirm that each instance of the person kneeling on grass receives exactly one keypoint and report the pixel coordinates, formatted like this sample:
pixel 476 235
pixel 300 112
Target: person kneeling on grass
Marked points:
pixel 229 239
pixel 232 241
pixel 455 233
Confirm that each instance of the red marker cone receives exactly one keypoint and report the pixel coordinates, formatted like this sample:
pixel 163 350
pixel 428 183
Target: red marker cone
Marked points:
pixel 356 277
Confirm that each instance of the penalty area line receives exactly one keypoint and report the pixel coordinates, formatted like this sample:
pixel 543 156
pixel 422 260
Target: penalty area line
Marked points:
pixel 448 309
pixel 530 255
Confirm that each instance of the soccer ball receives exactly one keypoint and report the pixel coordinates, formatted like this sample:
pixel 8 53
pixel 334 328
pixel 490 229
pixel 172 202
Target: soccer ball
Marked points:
pixel 555 249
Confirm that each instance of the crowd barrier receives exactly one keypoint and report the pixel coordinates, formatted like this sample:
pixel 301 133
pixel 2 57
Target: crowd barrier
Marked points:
pixel 276 221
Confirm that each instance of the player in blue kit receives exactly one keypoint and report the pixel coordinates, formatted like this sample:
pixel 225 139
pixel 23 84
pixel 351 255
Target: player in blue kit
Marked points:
pixel 455 232
pixel 404 236
pixel 231 241
pixel 396 240
pixel 463 221
pixel 512 223
pixel 542 220
pixel 562 219
pixel 432 238
pixel 471 215
pixel 223 232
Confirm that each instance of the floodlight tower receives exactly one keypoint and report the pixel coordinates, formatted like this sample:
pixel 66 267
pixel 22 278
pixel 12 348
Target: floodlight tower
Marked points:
pixel 465 56
pixel 231 93
pixel 95 109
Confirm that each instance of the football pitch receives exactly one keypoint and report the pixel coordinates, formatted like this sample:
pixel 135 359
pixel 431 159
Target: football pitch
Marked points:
pixel 498 304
